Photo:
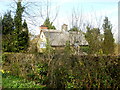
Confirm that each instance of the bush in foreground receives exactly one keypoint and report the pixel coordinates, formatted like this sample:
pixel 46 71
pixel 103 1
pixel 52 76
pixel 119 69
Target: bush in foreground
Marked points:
pixel 10 81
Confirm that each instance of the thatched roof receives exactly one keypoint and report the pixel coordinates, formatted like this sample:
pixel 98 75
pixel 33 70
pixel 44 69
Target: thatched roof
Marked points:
pixel 59 38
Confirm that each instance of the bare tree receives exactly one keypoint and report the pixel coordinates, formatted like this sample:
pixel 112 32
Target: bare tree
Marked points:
pixel 46 10
pixel 30 9
pixel 76 18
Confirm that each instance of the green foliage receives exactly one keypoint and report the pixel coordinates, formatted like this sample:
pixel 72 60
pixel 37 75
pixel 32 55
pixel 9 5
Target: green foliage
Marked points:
pixel 7 32
pixel 49 24
pixel 42 70
pixel 18 38
pixel 15 35
pixel 24 35
pixel 18 17
pixel 66 71
pixel 10 81
pixel 74 29
pixel 108 43
pixel 40 73
pixel 57 72
pixel 7 24
pixel 85 49
pixel 92 72
pixel 59 77
pixel 94 39
pixel 49 50
pixel 67 49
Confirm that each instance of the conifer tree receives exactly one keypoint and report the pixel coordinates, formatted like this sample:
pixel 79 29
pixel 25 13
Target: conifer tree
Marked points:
pixel 18 43
pixel 49 24
pixel 7 24
pixel 15 34
pixel 25 35
pixel 7 32
pixel 108 43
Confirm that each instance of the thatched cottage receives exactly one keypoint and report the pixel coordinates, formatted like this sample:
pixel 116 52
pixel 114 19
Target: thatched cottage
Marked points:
pixel 58 38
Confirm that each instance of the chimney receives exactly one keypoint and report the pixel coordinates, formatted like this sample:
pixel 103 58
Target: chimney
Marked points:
pixel 64 27
pixel 42 27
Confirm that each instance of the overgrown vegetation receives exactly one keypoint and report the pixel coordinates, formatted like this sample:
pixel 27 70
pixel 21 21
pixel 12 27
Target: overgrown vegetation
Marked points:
pixel 100 43
pixel 66 71
pixel 94 39
pixel 65 68
pixel 58 68
pixel 10 81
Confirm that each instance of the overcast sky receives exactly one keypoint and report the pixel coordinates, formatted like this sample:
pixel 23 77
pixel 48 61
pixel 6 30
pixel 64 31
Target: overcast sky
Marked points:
pixel 93 11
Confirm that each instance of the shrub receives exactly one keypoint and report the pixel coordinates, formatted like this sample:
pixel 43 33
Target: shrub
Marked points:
pixel 10 81
pixel 66 71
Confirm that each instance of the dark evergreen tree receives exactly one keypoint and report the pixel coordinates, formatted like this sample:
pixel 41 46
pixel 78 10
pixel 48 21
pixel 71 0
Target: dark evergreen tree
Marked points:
pixel 7 24
pixel 7 32
pixel 18 43
pixel 108 43
pixel 25 35
pixel 49 24
pixel 15 34
pixel 18 17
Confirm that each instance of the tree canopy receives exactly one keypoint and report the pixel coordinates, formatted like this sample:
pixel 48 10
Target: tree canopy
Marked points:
pixel 7 23
pixel 15 33
pixel 7 32
pixel 49 24
pixel 94 39
pixel 108 43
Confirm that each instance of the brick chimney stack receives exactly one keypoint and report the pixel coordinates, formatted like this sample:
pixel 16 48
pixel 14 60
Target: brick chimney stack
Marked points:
pixel 42 27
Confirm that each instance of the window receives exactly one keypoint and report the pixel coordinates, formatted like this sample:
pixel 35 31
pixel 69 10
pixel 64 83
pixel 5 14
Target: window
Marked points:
pixel 42 45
